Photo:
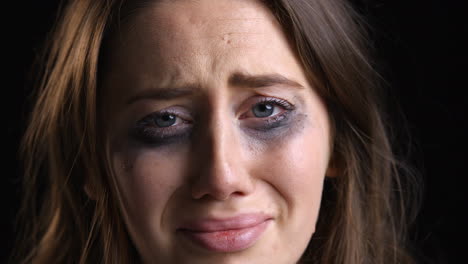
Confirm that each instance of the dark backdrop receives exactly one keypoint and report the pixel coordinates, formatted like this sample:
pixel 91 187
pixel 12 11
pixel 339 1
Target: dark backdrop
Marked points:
pixel 422 55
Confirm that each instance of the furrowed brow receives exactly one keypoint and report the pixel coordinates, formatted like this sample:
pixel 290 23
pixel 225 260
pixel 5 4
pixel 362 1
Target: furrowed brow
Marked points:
pixel 236 79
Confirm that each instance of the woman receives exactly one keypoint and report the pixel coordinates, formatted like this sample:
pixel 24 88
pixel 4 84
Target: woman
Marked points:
pixel 210 132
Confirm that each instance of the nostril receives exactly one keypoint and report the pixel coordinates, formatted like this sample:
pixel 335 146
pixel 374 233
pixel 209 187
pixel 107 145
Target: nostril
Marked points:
pixel 221 173
pixel 222 187
pixel 210 191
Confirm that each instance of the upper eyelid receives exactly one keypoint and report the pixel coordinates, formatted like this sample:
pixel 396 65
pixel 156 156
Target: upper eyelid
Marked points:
pixel 276 101
pixel 165 111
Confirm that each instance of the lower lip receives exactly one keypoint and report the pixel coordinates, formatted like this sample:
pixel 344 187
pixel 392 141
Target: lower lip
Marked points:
pixel 227 240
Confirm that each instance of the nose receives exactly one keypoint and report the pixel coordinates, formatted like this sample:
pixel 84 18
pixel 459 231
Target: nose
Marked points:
pixel 222 171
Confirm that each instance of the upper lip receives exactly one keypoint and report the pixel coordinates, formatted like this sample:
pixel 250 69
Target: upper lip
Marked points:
pixel 240 221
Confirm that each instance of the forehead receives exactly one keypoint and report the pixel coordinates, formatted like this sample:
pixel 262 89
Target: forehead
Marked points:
pixel 171 43
pixel 188 27
pixel 205 20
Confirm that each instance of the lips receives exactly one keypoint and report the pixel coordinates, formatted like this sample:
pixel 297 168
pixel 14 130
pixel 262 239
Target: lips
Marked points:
pixel 226 235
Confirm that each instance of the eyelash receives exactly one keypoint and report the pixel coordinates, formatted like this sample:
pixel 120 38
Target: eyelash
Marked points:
pixel 276 101
pixel 147 131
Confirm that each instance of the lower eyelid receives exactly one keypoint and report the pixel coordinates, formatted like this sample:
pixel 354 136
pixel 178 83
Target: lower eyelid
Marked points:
pixel 278 117
pixel 159 140
pixel 269 122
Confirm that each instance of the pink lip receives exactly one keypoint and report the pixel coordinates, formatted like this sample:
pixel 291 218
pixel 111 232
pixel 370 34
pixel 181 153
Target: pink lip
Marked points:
pixel 226 235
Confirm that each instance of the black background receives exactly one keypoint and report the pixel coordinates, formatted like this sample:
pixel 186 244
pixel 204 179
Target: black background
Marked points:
pixel 422 55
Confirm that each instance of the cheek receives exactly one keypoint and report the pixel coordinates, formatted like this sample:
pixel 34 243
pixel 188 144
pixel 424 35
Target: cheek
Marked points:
pixel 296 162
pixel 147 180
pixel 295 167
pixel 301 170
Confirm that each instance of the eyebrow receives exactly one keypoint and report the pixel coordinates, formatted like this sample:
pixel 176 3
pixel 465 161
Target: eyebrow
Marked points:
pixel 236 79
pixel 265 80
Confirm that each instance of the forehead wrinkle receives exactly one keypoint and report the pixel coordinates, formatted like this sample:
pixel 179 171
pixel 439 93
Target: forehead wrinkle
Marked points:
pixel 192 29
pixel 236 16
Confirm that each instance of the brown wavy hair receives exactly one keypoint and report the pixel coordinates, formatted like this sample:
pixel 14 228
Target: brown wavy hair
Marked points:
pixel 364 212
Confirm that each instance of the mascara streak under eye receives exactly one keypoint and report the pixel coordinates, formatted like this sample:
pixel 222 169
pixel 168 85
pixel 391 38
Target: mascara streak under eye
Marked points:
pixel 272 128
pixel 151 138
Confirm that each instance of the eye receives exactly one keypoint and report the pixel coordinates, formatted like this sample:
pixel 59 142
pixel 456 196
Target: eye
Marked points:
pixel 263 109
pixel 165 120
pixel 267 107
pixel 267 113
pixel 163 127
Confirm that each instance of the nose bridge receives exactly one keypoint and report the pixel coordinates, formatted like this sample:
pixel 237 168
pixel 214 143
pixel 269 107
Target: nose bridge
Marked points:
pixel 222 171
pixel 222 136
pixel 217 133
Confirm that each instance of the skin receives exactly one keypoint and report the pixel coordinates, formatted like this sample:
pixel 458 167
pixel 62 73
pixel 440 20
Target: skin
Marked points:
pixel 228 161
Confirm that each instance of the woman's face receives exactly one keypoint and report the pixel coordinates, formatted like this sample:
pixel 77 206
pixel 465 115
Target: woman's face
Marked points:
pixel 219 143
